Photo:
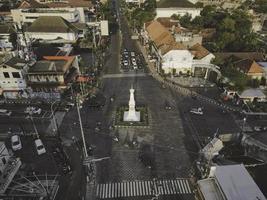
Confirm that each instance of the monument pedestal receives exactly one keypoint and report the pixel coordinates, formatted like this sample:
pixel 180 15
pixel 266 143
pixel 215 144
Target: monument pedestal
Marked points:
pixel 132 115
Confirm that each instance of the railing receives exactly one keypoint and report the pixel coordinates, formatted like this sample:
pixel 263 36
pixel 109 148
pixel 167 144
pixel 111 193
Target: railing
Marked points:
pixel 9 172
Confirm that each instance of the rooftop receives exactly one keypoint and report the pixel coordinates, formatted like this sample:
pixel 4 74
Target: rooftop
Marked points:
pixel 175 4
pixel 52 24
pixel 199 51
pixel 16 63
pixel 230 182
pixel 6 29
pixel 52 64
pixel 249 66
pixel 252 92
pixel 159 34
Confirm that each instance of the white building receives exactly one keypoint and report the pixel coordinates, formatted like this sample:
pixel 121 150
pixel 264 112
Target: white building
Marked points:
pixel 135 1
pixel 229 182
pixel 166 8
pixel 29 15
pixel 52 28
pixel 6 32
pixel 12 78
pixel 177 61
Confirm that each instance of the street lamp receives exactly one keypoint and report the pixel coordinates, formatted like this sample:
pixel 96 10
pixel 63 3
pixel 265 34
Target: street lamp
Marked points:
pixel 55 126
pixel 243 125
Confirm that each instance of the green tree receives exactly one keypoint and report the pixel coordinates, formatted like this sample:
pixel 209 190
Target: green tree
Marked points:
pixel 185 20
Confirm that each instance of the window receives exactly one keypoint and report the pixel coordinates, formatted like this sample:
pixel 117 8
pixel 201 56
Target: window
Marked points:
pixel 4 160
pixel 15 74
pixel 56 79
pixel 6 74
pixel 47 80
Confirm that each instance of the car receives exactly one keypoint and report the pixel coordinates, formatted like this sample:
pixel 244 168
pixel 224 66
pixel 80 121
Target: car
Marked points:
pixel 167 105
pixel 132 54
pixel 39 146
pixel 125 63
pixel 33 110
pixel 257 128
pixel 16 143
pixel 197 111
pixel 5 112
pixel 134 61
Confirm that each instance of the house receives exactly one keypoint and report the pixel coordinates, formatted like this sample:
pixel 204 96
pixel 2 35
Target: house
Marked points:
pixel 250 68
pixel 201 53
pixel 9 167
pixel 229 182
pixel 212 148
pixel 13 79
pixel 166 8
pixel 7 34
pixel 48 78
pixel 182 35
pixel 52 28
pixel 251 94
pixel 29 15
pixel 177 61
pixel 174 57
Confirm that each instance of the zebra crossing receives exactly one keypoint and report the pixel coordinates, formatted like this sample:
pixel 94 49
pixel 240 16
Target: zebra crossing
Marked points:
pixel 143 188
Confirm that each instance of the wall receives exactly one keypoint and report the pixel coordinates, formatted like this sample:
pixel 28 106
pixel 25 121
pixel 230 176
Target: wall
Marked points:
pixel 42 78
pixel 51 36
pixel 11 83
pixel 168 12
pixel 180 60
pixel 71 14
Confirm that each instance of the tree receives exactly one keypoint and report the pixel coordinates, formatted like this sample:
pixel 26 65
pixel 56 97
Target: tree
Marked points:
pixel 185 20
pixel 197 22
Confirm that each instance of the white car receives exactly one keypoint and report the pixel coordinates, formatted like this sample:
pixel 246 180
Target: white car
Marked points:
pixel 197 111
pixel 134 62
pixel 125 63
pixel 132 54
pixel 33 110
pixel 39 147
pixel 16 143
pixel 5 112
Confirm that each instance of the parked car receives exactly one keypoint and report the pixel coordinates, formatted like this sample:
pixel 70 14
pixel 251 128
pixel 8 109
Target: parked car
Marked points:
pixel 33 110
pixel 125 63
pixel 16 143
pixel 5 112
pixel 197 111
pixel 132 54
pixel 39 147
pixel 134 61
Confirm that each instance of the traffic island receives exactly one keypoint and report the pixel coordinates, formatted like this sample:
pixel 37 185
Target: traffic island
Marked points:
pixel 144 119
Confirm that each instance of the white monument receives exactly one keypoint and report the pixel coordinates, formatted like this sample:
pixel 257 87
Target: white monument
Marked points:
pixel 132 115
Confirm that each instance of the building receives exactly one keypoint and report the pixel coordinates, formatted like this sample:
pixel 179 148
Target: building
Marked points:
pixel 249 95
pixel 13 79
pixel 7 34
pixel 135 1
pixel 55 3
pixel 9 166
pixel 48 78
pixel 166 8
pixel 182 35
pixel 250 68
pixel 174 57
pixel 201 54
pixel 229 182
pixel 29 15
pixel 52 28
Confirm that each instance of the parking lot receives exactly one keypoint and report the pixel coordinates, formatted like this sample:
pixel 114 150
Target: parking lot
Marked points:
pixel 131 60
